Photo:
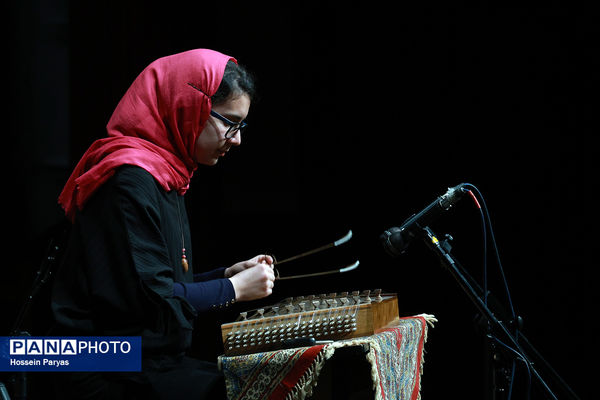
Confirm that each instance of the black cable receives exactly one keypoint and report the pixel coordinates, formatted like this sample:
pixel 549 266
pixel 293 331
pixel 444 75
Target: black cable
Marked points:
pixel 496 251
pixel 485 265
pixel 520 357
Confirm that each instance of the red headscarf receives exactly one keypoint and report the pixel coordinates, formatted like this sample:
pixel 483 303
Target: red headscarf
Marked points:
pixel 155 126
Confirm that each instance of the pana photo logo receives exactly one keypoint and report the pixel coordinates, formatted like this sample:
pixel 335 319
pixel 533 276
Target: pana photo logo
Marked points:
pixel 66 346
pixel 78 353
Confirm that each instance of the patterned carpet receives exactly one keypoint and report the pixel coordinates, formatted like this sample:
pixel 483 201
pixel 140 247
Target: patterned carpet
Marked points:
pixel 395 356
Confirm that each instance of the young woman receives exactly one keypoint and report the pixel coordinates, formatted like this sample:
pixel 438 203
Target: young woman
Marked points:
pixel 128 267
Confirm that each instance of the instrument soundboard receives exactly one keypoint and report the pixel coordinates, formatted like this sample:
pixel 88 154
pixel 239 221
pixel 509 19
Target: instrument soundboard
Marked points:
pixel 333 316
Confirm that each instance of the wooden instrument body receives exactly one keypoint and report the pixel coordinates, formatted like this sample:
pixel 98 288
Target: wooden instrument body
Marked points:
pixel 323 317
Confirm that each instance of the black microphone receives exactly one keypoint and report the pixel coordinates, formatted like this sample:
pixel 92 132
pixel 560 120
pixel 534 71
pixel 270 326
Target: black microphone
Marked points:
pixel 395 240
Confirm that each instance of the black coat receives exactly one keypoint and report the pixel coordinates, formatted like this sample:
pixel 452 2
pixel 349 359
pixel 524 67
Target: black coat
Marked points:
pixel 117 278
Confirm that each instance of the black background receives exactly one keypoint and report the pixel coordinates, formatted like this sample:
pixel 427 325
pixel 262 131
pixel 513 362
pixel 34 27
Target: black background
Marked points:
pixel 365 115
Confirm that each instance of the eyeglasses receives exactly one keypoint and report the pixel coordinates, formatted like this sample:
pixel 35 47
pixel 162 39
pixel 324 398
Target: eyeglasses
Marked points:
pixel 234 127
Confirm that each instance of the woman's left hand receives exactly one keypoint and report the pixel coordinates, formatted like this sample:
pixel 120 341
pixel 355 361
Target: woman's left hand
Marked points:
pixel 243 265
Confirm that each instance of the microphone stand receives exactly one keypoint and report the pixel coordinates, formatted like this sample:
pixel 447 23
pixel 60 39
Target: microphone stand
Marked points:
pixel 467 284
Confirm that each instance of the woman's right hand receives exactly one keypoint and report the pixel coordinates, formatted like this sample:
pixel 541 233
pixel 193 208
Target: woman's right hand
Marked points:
pixel 254 282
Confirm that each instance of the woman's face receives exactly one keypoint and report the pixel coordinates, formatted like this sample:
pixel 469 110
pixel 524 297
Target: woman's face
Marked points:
pixel 211 143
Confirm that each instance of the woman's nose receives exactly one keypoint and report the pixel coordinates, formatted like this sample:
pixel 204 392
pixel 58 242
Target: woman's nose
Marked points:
pixel 236 139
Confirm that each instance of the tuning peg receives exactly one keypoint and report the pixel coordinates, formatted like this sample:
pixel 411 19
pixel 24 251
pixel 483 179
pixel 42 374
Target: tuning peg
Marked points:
pixel 377 293
pixel 366 294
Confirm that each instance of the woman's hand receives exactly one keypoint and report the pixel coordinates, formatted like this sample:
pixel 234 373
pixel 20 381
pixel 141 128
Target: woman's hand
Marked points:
pixel 252 279
pixel 239 267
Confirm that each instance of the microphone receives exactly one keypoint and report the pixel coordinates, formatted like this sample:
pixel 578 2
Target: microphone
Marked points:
pixel 395 240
